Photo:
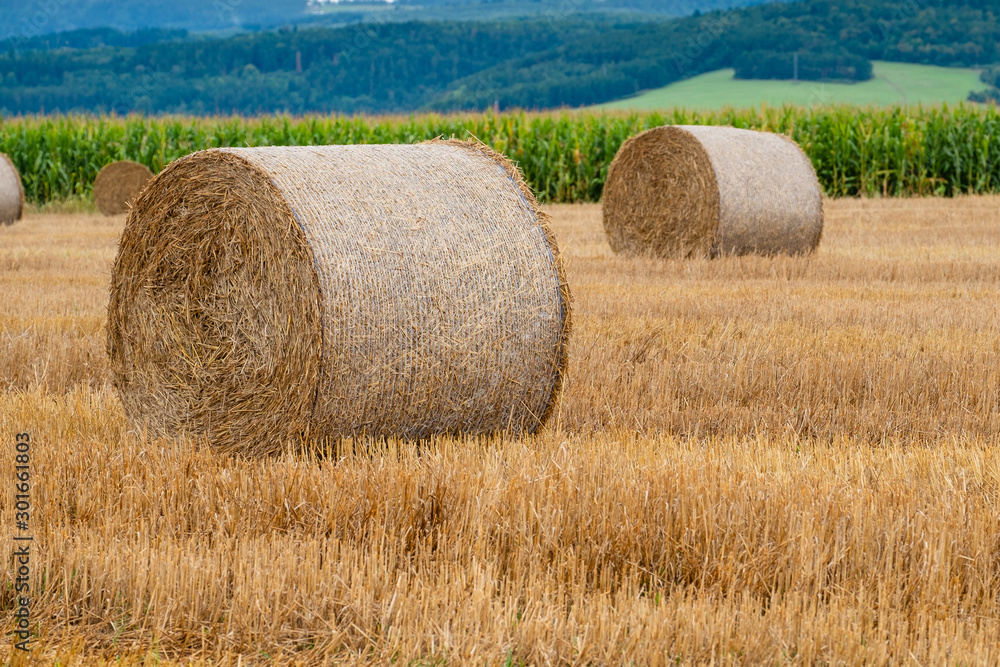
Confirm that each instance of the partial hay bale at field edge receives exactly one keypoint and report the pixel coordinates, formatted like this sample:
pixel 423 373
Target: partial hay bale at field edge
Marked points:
pixel 118 184
pixel 11 192
pixel 695 191
pixel 263 295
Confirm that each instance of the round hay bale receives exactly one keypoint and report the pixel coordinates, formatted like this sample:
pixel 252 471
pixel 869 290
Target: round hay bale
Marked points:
pixel 695 191
pixel 118 184
pixel 261 295
pixel 11 192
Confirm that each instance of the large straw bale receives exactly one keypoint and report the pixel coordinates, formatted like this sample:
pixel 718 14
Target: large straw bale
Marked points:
pixel 694 191
pixel 118 184
pixel 11 192
pixel 261 295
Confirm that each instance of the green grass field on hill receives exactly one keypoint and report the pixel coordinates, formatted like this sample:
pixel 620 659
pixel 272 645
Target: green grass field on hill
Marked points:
pixel 892 83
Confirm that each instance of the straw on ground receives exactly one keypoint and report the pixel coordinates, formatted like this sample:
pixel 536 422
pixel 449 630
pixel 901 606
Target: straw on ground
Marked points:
pixel 756 460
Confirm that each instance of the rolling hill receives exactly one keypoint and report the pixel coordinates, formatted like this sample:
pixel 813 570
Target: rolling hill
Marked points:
pixel 585 59
pixel 892 83
pixel 623 62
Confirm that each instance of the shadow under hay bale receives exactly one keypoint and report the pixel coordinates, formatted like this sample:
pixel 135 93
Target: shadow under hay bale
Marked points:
pixel 11 192
pixel 260 295
pixel 118 184
pixel 695 191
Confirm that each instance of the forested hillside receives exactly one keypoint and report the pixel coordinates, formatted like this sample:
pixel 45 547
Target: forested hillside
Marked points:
pixel 33 18
pixel 91 38
pixel 379 68
pixel 383 66
pixel 834 41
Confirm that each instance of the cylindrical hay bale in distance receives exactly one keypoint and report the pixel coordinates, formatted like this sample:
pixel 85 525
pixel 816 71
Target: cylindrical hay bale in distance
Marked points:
pixel 694 191
pixel 11 192
pixel 118 184
pixel 261 295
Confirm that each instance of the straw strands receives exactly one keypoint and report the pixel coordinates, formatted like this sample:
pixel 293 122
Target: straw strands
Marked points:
pixel 118 184
pixel 11 192
pixel 693 191
pixel 263 294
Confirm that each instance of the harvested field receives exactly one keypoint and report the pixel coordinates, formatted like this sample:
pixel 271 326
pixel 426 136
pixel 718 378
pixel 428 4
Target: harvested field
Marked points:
pixel 755 460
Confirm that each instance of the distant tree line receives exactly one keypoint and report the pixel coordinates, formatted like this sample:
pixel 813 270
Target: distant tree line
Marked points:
pixel 812 65
pixel 92 38
pixel 990 76
pixel 834 40
pixel 21 19
pixel 26 19
pixel 379 67
pixel 365 68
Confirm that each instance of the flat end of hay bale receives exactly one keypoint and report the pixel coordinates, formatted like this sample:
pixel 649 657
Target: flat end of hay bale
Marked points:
pixel 213 320
pixel 118 184
pixel 11 192
pixel 661 197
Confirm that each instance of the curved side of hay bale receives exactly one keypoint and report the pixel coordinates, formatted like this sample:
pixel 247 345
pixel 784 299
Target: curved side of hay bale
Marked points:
pixel 695 191
pixel 118 184
pixel 11 192
pixel 264 294
pixel 770 199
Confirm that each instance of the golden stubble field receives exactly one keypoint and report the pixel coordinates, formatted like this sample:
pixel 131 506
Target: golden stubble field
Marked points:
pixel 756 460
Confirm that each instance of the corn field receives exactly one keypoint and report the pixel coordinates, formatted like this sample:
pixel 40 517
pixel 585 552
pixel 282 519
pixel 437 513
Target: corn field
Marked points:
pixel 856 151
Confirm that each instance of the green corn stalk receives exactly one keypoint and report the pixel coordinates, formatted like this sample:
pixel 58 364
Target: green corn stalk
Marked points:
pixel 898 151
